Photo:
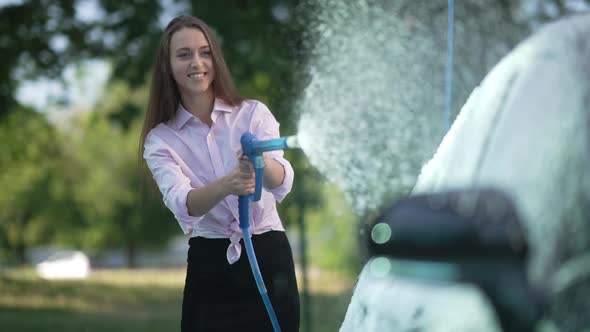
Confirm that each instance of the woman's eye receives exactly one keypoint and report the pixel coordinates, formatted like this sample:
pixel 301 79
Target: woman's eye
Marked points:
pixel 206 53
pixel 183 55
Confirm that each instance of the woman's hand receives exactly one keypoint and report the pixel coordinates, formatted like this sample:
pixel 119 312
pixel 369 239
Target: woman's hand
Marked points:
pixel 241 180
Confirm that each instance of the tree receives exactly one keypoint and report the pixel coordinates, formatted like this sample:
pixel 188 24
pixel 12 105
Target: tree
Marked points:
pixel 39 38
pixel 104 154
pixel 28 159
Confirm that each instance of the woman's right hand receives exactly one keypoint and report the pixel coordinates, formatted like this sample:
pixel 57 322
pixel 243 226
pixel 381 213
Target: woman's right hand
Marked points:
pixel 241 180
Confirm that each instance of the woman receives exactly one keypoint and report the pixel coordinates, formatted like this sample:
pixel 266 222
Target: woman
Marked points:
pixel 191 136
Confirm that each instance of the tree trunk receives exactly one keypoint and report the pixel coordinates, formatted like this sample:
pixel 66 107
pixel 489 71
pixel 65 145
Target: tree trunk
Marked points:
pixel 21 247
pixel 131 254
pixel 21 254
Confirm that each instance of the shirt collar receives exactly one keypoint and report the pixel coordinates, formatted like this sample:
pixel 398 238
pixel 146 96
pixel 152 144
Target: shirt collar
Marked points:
pixel 220 105
pixel 182 115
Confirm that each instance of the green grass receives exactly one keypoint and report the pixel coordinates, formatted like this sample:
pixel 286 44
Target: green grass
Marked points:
pixel 130 300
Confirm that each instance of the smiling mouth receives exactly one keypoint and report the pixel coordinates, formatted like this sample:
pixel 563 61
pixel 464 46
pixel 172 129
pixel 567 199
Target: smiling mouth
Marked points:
pixel 197 75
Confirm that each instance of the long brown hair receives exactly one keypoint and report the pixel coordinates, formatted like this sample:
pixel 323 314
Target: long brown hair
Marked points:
pixel 164 94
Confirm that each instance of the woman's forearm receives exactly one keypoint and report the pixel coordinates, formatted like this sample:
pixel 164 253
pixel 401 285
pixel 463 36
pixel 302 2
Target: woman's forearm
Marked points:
pixel 274 173
pixel 201 200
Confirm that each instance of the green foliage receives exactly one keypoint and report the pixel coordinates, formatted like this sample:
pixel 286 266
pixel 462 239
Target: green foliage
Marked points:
pixel 33 30
pixel 105 156
pixel 29 155
pixel 330 225
pixel 78 185
pixel 27 142
pixel 333 240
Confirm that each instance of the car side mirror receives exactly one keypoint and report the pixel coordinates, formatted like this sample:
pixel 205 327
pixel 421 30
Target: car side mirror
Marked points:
pixel 476 232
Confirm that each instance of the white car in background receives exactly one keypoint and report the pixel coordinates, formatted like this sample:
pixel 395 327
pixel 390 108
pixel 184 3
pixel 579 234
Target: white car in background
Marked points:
pixel 496 234
pixel 64 264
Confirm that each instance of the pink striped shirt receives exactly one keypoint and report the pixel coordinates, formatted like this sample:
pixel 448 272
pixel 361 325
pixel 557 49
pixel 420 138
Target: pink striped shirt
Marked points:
pixel 185 153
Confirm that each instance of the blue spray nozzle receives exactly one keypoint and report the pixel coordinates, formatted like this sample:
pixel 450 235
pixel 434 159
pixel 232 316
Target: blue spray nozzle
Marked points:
pixel 251 145
pixel 253 149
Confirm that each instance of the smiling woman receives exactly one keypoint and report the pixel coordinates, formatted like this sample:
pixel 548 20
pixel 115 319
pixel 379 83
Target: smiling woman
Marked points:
pixel 191 145
pixel 191 62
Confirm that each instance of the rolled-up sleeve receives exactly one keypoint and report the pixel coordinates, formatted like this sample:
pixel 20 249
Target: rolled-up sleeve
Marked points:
pixel 267 127
pixel 172 182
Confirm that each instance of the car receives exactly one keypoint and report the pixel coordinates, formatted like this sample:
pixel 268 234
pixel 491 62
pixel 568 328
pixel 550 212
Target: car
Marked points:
pixel 495 235
pixel 64 264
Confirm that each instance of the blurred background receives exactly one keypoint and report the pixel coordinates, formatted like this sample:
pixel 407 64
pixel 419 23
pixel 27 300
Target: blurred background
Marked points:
pixel 85 247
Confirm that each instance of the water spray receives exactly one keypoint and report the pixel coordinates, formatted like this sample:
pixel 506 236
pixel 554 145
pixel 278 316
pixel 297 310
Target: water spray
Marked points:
pixel 253 149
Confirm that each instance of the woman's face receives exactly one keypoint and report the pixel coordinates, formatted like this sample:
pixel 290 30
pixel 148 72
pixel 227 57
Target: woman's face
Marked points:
pixel 191 62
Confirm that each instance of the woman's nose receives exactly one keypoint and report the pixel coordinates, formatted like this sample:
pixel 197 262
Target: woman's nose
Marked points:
pixel 196 63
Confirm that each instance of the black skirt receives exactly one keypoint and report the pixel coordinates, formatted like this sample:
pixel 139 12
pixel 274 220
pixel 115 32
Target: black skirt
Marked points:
pixel 223 297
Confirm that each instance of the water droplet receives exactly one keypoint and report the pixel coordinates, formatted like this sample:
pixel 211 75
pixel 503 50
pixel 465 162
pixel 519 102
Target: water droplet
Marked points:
pixel 381 233
pixel 380 267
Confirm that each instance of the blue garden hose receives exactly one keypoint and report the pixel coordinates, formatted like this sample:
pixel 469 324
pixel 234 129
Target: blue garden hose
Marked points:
pixel 253 149
pixel 244 206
